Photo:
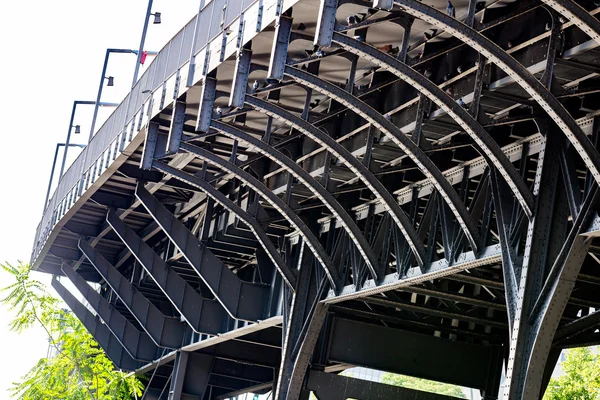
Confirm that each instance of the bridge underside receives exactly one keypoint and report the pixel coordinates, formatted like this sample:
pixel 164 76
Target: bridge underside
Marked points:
pixel 415 193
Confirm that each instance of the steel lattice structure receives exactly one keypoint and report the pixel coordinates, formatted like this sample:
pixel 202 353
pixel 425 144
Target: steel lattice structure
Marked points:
pixel 297 187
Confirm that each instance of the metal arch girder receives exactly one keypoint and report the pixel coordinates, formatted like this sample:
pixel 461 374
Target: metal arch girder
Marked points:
pixel 109 343
pixel 188 302
pixel 517 72
pixel 137 344
pixel 578 15
pixel 311 240
pixel 327 198
pixel 340 152
pixel 226 286
pixel 416 154
pixel 484 143
pixel 288 275
pixel 171 331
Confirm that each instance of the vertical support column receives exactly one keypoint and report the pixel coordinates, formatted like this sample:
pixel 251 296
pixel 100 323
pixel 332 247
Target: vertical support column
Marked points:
pixel 383 4
pixel 302 327
pixel 176 128
pixel 279 52
pixel 240 78
pixel 149 145
pixel 190 375
pixel 478 87
pixel 422 107
pixel 407 25
pixel 534 260
pixel 326 23
pixel 207 101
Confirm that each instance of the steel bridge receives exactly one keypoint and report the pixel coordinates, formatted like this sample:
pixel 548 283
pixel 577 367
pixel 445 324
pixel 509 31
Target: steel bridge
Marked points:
pixel 297 187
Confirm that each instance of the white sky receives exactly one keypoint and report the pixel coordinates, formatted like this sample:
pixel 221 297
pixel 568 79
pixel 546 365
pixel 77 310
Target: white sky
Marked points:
pixel 52 54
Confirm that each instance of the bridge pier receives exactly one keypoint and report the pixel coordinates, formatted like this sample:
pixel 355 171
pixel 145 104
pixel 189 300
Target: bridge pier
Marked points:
pixel 538 288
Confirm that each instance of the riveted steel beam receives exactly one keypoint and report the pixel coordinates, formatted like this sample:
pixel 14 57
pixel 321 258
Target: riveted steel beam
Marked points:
pixel 417 155
pixel 310 239
pixel 337 387
pixel 240 78
pixel 340 152
pixel 242 300
pixel 202 315
pixel 578 15
pixel 327 198
pixel 325 22
pixel 545 232
pixel 279 52
pixel 137 344
pixel 413 354
pixel 149 145
pixel 176 128
pixel 207 100
pixel 109 343
pixel 190 378
pixel 484 143
pixel 490 50
pixel 165 331
pixel 258 231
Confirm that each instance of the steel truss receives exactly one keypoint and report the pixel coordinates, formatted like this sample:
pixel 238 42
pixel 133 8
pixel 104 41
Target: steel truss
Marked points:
pixel 227 245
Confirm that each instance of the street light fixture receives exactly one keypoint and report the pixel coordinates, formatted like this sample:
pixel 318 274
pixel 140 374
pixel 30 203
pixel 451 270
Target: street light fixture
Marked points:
pixel 77 129
pixel 156 17
pixel 111 80
pixel 140 52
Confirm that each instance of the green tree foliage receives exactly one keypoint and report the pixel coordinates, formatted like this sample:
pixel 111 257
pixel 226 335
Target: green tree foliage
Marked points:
pixel 79 369
pixel 423 384
pixel 581 378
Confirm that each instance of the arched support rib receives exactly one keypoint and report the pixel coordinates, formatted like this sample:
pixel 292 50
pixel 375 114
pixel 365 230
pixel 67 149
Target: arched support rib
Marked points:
pixel 242 300
pixel 198 312
pixel 309 237
pixel 578 15
pixel 260 234
pixel 109 343
pixel 307 180
pixel 484 143
pixel 137 344
pixel 561 117
pixel 423 162
pixel 164 331
pixel 340 152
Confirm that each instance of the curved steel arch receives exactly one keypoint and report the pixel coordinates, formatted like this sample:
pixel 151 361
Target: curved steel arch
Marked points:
pixel 485 144
pixel 340 152
pixel 578 15
pixel 517 72
pixel 415 153
pixel 307 180
pixel 288 275
pixel 309 237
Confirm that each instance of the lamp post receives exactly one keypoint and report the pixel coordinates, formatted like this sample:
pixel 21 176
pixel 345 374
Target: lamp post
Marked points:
pixel 58 146
pixel 110 83
pixel 77 127
pixel 157 20
pixel 77 130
